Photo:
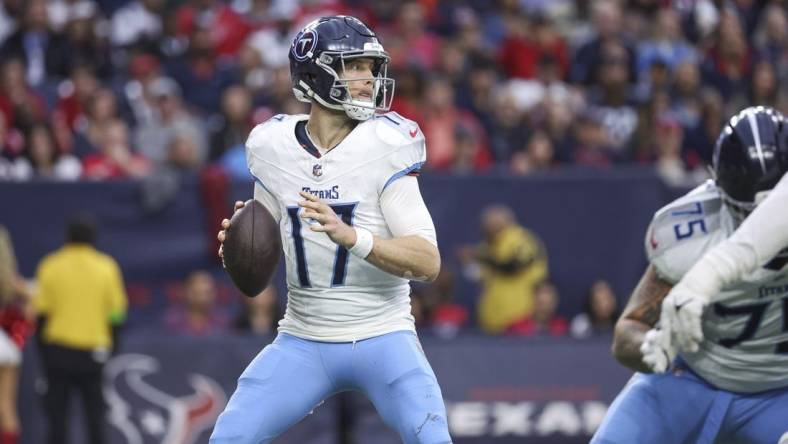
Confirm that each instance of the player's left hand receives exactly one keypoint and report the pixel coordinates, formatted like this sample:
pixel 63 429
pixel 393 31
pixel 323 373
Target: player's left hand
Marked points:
pixel 658 350
pixel 327 220
pixel 682 312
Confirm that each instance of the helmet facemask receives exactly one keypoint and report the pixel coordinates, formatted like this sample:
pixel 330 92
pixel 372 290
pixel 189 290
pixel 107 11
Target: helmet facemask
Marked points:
pixel 340 96
pixel 739 209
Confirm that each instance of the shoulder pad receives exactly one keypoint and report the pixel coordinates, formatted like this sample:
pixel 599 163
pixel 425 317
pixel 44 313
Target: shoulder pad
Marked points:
pixel 681 232
pixel 395 130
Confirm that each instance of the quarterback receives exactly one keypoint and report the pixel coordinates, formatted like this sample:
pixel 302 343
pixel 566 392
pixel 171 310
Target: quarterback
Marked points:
pixel 341 182
pixel 707 326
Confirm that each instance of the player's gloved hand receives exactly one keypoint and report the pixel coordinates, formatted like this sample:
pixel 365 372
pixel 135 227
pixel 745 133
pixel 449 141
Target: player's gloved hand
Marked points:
pixel 682 312
pixel 658 350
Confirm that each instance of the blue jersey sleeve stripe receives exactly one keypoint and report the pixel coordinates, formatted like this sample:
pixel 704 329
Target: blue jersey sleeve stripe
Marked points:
pixel 401 173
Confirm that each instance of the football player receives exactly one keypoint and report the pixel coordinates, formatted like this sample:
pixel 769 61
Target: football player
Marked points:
pixel 341 182
pixel 726 311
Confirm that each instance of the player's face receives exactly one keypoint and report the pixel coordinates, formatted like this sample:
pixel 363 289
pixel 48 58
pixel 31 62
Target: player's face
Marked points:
pixel 360 69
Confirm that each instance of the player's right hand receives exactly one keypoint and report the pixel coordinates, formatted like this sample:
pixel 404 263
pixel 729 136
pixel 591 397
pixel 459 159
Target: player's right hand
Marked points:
pixel 223 232
pixel 658 350
pixel 682 317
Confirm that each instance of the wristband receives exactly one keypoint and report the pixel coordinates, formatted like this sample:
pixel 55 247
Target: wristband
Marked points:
pixel 363 245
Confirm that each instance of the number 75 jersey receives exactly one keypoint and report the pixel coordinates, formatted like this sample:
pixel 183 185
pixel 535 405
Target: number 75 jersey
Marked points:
pixel 745 346
pixel 333 295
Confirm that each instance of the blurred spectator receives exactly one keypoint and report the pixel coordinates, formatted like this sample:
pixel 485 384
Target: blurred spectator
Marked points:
pixel 9 11
pixel 591 143
pixel 409 94
pixel 81 302
pixel 762 89
pixel 588 59
pixel 42 160
pixel 612 101
pixel 729 60
pixel 225 29
pixel 200 73
pixel 600 312
pixel 138 22
pixel 685 103
pixel 235 122
pixel 76 94
pixel 538 155
pixel 527 43
pixel 115 159
pixel 508 125
pixel 699 140
pixel 556 120
pixel 476 91
pixel 511 260
pixel 252 73
pixel 196 313
pixel 61 12
pixel 171 120
pixel 12 144
pixel 85 44
pixel 668 138
pixel 456 137
pixel 20 105
pixel 102 112
pixel 44 52
pixel 259 314
pixel 543 319
pixel 15 326
pixel 771 38
pixel 409 42
pixel 272 44
pixel 666 44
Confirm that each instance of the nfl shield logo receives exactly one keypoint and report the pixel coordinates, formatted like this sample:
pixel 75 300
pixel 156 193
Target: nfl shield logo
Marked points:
pixel 317 170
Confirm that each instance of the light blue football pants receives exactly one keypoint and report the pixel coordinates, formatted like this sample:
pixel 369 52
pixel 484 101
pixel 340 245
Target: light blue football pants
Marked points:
pixel 679 407
pixel 291 376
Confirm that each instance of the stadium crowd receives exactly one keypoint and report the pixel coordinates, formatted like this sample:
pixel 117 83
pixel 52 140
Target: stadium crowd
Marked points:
pixel 112 89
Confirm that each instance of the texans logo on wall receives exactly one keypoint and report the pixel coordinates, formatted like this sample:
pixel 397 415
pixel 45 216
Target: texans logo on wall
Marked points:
pixel 141 412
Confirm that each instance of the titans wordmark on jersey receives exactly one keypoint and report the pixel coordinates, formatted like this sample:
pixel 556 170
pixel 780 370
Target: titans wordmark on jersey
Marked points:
pixel 745 346
pixel 334 295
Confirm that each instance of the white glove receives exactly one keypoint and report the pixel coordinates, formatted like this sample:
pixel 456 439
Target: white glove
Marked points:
pixel 681 317
pixel 658 350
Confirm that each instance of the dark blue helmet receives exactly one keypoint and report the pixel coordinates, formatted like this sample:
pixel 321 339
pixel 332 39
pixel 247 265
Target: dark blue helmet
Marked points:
pixel 750 157
pixel 317 60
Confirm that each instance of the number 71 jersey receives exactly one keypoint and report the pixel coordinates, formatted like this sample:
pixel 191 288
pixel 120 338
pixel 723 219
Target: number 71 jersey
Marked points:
pixel 745 345
pixel 333 295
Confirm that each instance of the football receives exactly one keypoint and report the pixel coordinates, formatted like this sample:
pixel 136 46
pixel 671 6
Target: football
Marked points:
pixel 252 247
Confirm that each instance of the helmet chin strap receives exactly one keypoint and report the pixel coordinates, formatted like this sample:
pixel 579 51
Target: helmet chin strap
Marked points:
pixel 359 109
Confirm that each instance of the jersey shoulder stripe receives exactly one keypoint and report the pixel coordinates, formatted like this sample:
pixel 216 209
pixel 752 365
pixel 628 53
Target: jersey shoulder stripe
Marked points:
pixel 407 171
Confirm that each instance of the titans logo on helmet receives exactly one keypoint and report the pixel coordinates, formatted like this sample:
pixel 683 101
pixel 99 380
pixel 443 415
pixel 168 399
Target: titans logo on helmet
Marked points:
pixel 305 44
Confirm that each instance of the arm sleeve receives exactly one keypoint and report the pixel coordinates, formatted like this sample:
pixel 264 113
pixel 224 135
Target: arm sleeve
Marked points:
pixel 405 212
pixel 117 296
pixel 262 195
pixel 42 300
pixel 759 238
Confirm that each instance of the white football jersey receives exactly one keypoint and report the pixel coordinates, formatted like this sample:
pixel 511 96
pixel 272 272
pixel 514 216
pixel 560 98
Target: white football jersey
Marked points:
pixel 745 346
pixel 333 295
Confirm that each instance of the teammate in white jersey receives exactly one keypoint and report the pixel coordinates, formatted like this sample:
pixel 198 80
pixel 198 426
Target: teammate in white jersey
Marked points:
pixel 341 183
pixel 729 382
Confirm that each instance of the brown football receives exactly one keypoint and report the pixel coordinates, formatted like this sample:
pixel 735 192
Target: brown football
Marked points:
pixel 252 247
